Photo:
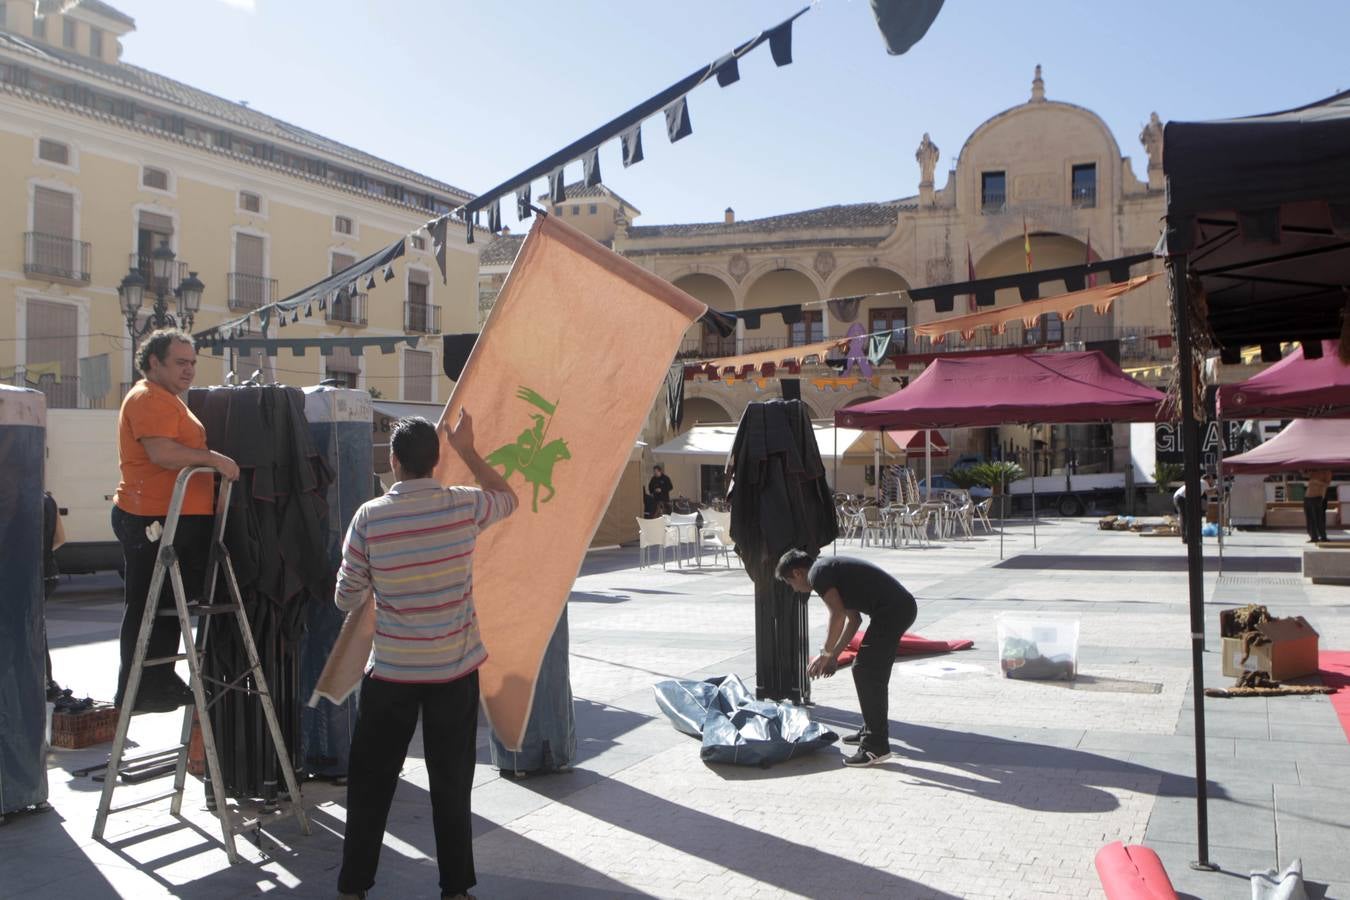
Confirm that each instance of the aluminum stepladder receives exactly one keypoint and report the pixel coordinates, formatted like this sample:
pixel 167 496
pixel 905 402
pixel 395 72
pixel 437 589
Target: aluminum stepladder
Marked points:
pixel 167 566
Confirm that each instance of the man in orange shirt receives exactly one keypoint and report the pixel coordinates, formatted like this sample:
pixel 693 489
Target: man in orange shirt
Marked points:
pixel 156 437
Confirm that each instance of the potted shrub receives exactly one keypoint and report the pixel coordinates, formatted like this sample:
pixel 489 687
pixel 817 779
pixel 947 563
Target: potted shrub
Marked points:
pixel 996 476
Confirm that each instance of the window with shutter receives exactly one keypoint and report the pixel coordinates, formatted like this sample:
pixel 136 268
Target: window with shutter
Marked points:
pixel 96 42
pixel 53 212
pixel 52 351
pixel 417 375
pixel 155 178
pixel 417 287
pixel 54 152
pixel 250 202
pixel 343 225
pixel 68 34
pixel 248 254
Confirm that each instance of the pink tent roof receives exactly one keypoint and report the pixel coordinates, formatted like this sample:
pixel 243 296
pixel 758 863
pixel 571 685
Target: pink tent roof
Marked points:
pixel 1303 444
pixel 980 391
pixel 1293 388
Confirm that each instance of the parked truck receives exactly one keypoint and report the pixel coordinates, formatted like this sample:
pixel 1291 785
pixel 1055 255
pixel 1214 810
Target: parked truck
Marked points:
pixel 82 475
pixel 1072 494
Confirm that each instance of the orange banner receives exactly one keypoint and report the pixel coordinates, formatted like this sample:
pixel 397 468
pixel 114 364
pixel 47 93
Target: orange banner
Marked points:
pixel 572 320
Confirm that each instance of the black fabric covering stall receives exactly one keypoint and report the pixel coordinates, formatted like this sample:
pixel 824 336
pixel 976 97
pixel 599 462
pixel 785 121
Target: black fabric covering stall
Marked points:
pixel 275 534
pixel 779 500
pixel 1258 253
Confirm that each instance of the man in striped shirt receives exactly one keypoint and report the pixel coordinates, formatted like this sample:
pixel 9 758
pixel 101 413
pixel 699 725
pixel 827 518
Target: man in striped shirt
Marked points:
pixel 411 553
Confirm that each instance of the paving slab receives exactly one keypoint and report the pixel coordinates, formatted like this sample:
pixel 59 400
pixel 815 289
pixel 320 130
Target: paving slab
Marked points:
pixel 999 788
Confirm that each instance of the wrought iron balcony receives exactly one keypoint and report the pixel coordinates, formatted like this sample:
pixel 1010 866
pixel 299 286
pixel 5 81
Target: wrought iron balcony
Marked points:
pixel 421 318
pixel 347 309
pixel 250 291
pixel 991 202
pixel 1085 196
pixel 52 257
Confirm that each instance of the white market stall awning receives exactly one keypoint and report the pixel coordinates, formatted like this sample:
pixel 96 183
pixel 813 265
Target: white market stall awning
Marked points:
pixel 715 442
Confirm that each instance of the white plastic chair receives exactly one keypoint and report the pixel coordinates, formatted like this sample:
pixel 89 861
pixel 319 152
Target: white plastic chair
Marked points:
pixel 982 513
pixel 653 534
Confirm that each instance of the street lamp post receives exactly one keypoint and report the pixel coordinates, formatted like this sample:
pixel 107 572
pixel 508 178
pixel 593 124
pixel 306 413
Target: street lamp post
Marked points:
pixel 187 296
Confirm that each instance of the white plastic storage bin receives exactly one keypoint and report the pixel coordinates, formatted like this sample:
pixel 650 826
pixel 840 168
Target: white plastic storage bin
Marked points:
pixel 1037 647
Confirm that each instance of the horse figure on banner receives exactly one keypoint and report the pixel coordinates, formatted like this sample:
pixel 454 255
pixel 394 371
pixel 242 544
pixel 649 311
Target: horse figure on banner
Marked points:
pixel 536 465
pixel 530 455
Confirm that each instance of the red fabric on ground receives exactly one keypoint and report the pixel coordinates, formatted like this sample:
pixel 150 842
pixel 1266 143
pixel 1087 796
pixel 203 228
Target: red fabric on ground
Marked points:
pixel 910 645
pixel 1133 872
pixel 1334 666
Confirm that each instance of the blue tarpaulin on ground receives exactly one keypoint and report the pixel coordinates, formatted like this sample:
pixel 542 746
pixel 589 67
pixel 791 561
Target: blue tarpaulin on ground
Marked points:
pixel 735 727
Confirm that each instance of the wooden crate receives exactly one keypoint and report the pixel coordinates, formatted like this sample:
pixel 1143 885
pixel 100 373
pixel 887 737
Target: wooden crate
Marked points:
pixel 73 730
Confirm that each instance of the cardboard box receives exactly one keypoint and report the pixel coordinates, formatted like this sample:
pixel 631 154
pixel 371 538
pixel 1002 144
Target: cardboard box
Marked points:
pixel 1290 650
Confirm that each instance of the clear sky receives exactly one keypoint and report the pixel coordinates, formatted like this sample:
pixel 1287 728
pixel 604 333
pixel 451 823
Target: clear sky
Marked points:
pixel 473 91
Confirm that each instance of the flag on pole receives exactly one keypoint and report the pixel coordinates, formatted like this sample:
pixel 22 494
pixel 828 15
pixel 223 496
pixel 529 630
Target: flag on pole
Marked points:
pixel 560 383
pixel 1026 242
pixel 1092 277
pixel 970 276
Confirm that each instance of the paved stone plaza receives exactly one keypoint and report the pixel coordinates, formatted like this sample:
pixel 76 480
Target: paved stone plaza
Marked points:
pixel 999 788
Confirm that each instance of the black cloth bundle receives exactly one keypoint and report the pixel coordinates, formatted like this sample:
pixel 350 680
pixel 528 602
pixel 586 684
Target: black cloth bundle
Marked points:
pixel 779 500
pixel 275 534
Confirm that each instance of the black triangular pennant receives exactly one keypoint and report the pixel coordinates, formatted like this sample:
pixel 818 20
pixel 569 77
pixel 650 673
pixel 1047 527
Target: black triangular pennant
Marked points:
pixel 728 71
pixel 370 282
pixel 780 43
pixel 494 212
pixel 590 168
pixel 523 210
pixel 437 231
pixel 389 270
pixel 468 230
pixel 631 142
pixel 677 120
pixel 556 193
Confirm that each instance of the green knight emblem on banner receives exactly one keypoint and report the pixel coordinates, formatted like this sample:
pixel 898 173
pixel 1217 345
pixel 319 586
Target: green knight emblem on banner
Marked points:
pixel 530 455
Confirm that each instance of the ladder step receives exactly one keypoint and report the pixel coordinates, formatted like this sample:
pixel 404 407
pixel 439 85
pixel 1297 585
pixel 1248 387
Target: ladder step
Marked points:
pixel 198 609
pixel 162 660
pixel 155 798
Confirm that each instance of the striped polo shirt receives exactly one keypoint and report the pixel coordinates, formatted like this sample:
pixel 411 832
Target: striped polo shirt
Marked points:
pixel 413 550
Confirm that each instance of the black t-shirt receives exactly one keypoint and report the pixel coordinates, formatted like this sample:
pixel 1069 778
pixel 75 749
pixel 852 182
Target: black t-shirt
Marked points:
pixel 660 487
pixel 862 586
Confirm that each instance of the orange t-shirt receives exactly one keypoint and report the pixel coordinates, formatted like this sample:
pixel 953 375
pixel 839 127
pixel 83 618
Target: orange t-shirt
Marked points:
pixel 146 489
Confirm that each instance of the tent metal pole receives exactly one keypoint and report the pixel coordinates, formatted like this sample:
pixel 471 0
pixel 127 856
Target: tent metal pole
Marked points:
pixel 1002 499
pixel 1195 561
pixel 928 462
pixel 1218 479
pixel 1034 544
pixel 835 486
pixel 876 465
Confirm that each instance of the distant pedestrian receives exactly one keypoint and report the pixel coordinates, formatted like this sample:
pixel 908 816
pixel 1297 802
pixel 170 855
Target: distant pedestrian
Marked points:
pixel 851 587
pixel 659 488
pixel 1207 489
pixel 1315 504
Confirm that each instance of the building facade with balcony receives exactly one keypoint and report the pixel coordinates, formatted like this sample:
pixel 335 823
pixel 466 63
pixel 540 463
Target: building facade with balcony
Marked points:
pixel 107 164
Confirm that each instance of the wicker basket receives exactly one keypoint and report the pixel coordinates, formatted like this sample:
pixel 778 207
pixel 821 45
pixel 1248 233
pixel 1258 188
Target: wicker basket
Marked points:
pixel 73 730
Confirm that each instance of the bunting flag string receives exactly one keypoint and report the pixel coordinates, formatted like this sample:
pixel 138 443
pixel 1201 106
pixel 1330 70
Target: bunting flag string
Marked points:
pixel 671 101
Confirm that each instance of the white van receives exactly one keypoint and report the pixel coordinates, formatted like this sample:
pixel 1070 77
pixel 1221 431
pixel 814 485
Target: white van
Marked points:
pixel 82 475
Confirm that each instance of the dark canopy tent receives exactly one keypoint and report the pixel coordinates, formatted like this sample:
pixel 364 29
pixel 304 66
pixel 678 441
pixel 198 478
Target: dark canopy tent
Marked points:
pixel 1042 389
pixel 1260 208
pixel 1258 252
pixel 1303 444
pixel 1293 388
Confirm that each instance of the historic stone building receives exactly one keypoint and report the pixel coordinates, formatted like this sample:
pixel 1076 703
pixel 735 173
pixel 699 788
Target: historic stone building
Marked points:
pixel 1045 172
pixel 107 163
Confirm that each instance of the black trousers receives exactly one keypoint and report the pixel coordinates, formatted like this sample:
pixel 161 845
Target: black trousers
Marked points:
pixel 1315 517
pixel 872 674
pixel 385 723
pixel 192 542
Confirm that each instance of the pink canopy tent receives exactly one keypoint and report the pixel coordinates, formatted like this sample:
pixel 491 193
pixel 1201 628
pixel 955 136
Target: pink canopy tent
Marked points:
pixel 1039 389
pixel 1042 389
pixel 1293 388
pixel 1303 444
